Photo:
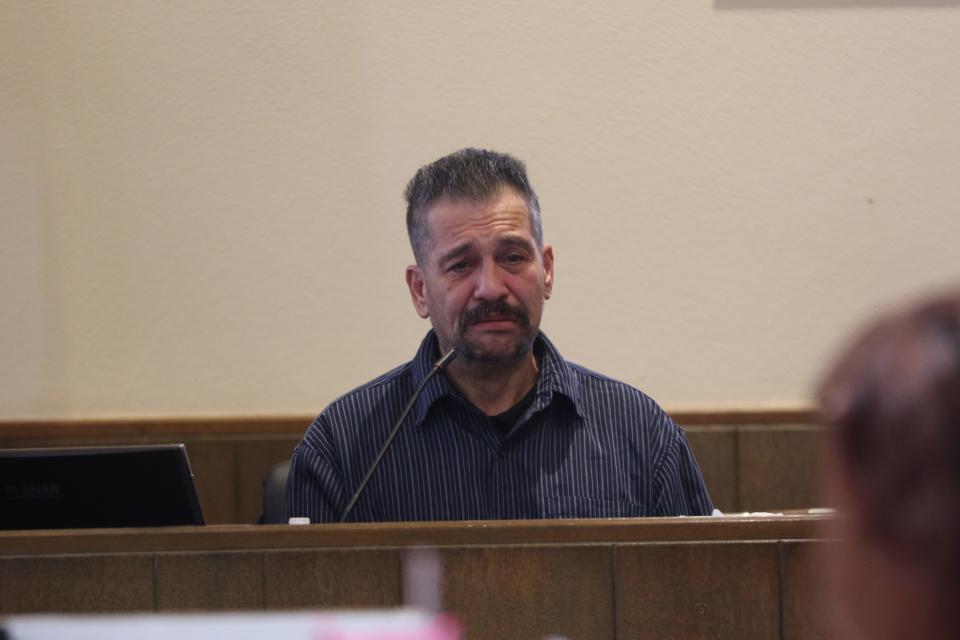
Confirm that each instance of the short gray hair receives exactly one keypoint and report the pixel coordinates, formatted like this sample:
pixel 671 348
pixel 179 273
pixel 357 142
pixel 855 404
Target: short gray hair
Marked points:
pixel 467 174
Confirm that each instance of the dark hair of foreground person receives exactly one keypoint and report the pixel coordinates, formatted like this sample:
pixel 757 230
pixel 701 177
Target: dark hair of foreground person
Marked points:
pixel 892 405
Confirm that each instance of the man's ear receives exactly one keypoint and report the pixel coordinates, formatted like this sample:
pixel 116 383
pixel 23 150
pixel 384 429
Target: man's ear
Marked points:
pixel 548 270
pixel 418 291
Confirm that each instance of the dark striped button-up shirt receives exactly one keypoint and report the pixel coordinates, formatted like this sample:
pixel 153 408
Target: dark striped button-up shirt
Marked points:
pixel 587 446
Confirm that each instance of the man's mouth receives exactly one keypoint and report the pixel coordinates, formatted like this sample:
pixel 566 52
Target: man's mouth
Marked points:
pixel 495 322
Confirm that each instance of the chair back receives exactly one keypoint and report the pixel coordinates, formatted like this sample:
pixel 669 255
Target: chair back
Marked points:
pixel 274 492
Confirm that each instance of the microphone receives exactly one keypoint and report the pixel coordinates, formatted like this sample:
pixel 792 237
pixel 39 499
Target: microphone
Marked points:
pixel 438 366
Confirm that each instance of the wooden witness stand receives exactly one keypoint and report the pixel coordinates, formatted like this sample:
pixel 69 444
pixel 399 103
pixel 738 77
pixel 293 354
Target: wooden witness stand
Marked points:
pixel 731 577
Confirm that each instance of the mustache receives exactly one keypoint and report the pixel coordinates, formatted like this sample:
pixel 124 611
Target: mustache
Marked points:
pixel 495 309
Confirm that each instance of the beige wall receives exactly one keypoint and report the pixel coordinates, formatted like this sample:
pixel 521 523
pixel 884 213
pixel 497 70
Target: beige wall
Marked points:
pixel 201 212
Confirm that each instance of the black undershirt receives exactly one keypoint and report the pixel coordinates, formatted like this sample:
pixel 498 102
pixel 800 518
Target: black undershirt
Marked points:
pixel 508 419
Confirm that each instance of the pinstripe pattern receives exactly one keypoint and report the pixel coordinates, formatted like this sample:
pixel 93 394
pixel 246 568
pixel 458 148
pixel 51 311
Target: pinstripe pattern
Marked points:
pixel 587 447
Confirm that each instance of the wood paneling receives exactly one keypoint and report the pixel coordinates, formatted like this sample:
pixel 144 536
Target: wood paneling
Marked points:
pixel 745 417
pixel 111 429
pixel 579 579
pixel 487 532
pixel 333 578
pixel 529 592
pixel 209 581
pixel 716 453
pixel 780 467
pixel 76 584
pixel 213 464
pixel 808 608
pixel 705 590
pixel 149 429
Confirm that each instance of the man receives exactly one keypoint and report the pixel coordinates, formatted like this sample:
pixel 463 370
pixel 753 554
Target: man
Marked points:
pixel 509 429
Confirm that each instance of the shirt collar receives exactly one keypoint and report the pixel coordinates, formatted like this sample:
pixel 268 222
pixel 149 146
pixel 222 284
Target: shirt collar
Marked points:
pixel 556 377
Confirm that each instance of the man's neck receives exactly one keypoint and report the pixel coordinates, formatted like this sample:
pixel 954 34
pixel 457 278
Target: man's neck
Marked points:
pixel 494 390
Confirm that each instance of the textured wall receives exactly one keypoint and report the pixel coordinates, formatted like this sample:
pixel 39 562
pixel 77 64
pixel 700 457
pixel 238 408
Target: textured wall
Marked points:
pixel 201 212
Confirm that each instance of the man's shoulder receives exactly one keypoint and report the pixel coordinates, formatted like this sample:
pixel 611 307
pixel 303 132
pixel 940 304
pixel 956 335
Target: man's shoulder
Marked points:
pixel 616 409
pixel 588 385
pixel 592 381
pixel 602 394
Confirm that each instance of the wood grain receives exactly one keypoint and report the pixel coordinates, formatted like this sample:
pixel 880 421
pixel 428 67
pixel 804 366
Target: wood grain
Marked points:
pixel 809 611
pixel 214 468
pixel 581 579
pixel 706 590
pixel 112 429
pixel 780 467
pixel 489 532
pixel 68 430
pixel 716 452
pixel 209 581
pixel 338 578
pixel 76 584
pixel 530 592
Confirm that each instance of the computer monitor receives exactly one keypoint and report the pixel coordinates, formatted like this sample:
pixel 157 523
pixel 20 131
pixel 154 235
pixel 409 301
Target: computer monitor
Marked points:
pixel 92 487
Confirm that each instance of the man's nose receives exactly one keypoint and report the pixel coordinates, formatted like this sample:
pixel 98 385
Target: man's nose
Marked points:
pixel 490 283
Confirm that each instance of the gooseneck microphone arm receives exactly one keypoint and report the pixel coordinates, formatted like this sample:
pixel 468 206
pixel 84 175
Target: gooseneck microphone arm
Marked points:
pixel 437 367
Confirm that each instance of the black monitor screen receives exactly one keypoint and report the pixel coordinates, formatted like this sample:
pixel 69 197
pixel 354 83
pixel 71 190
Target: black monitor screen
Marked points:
pixel 71 488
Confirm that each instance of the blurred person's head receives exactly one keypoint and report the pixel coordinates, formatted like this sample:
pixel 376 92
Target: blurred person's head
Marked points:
pixel 892 404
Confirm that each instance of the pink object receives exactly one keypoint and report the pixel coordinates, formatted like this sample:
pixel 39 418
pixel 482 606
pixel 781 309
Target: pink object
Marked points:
pixel 416 627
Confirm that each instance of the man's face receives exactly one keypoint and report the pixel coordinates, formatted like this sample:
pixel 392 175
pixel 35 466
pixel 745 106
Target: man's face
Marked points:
pixel 484 281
